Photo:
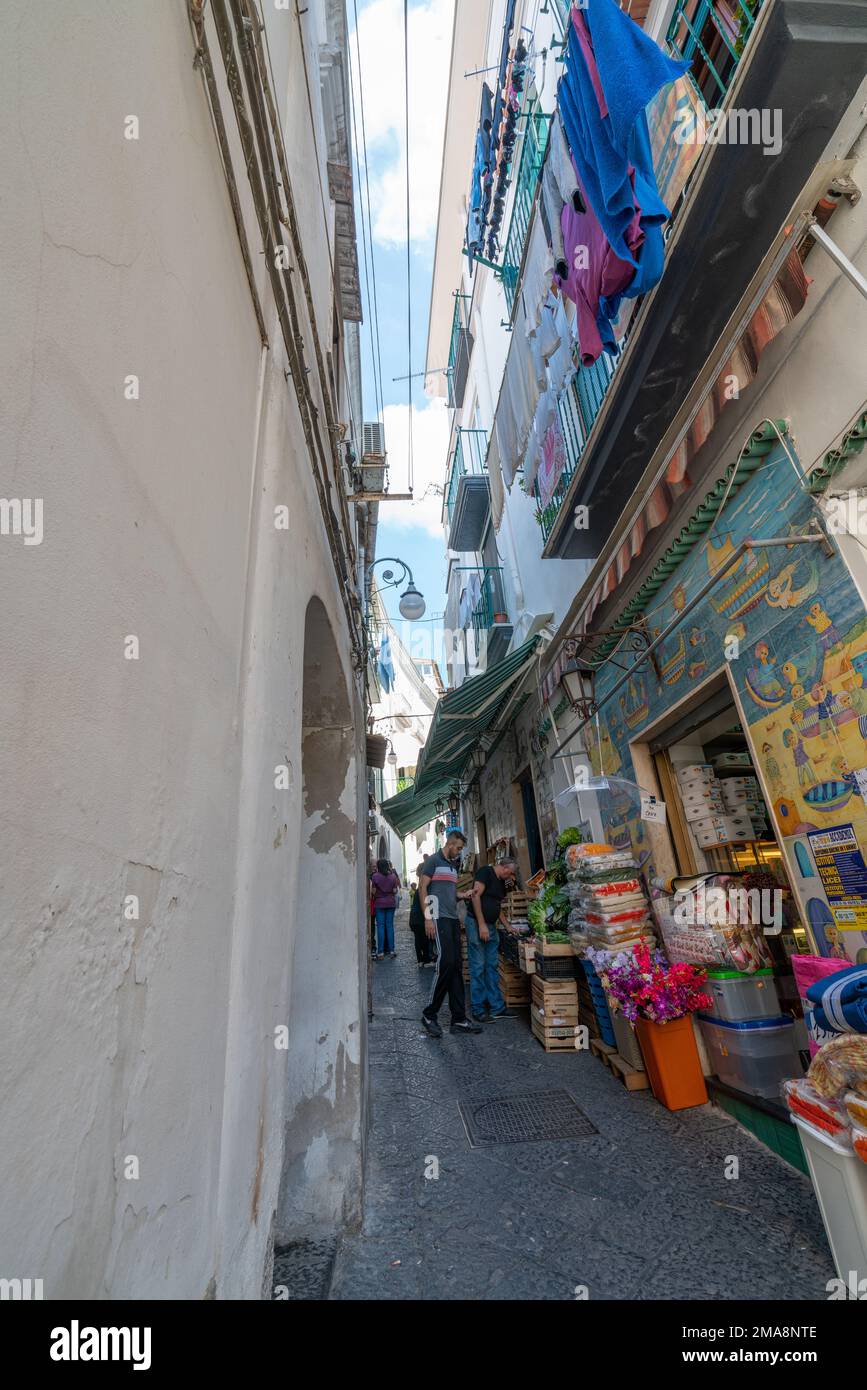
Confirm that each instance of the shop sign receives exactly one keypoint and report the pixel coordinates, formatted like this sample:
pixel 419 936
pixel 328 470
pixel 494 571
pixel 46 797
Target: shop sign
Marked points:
pixel 653 810
pixel 843 873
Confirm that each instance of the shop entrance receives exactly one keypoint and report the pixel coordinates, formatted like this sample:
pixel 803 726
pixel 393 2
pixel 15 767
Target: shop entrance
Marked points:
pixel 531 822
pixel 718 818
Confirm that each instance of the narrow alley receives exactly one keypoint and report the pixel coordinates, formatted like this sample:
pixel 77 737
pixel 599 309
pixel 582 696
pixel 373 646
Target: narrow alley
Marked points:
pixel 632 1211
pixel 433 656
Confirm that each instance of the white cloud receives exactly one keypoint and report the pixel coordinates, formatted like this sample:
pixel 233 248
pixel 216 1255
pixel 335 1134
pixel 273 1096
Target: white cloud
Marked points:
pixel 380 33
pixel 430 439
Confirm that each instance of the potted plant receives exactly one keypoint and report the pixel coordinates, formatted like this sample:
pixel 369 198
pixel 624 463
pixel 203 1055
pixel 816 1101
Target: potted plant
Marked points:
pixel 659 998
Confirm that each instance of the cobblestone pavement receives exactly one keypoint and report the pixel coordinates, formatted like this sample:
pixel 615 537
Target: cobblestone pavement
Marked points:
pixel 641 1210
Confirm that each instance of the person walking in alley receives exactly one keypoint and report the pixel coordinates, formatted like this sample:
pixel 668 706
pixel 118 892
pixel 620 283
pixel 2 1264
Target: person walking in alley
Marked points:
pixel 386 886
pixel 486 900
pixel 438 890
pixel 423 944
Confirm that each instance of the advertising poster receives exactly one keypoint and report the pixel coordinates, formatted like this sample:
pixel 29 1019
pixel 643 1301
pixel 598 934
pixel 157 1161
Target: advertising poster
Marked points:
pixel 843 872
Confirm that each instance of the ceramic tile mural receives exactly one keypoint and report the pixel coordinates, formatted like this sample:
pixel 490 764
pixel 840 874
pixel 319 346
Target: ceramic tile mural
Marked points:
pixel 796 630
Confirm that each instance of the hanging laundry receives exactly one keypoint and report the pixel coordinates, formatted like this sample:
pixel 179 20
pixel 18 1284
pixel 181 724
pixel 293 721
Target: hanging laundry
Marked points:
pixel 481 183
pixel 598 278
pixel 552 207
pixel 561 364
pixel 495 481
pixel 549 329
pixel 540 376
pixel 522 386
pixel 385 666
pixel 506 433
pixel 612 71
pixel 538 269
pixel 560 162
pixel 552 460
pixel 546 412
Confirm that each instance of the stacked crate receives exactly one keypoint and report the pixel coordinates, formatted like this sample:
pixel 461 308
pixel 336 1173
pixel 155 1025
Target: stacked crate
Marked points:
pixel 554 1013
pixel 514 985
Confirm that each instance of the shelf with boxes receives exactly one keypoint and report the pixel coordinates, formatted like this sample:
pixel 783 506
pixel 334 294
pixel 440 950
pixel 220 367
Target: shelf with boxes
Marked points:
pixel 721 806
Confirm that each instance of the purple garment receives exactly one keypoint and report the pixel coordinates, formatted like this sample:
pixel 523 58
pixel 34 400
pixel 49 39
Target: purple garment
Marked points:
pixel 596 291
pixel 385 887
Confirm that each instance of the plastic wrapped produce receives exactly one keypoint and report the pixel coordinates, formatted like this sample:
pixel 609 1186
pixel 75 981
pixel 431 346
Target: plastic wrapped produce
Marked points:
pixel 840 1066
pixel 825 1114
pixel 856 1108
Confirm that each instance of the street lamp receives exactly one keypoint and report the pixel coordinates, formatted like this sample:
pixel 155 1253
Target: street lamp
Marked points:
pixel 454 803
pixel 440 806
pixel 577 681
pixel 412 604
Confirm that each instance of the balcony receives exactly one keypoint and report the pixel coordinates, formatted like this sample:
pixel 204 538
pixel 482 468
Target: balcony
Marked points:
pixel 460 351
pixel 533 146
pixel 490 623
pixel 713 36
pixel 467 492
pixel 578 408
pixel 804 59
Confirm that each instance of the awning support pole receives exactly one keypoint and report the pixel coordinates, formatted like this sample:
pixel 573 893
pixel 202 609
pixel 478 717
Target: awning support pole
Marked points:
pixel 817 537
pixel 841 260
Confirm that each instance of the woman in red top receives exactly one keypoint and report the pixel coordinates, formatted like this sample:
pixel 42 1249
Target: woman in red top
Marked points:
pixel 386 886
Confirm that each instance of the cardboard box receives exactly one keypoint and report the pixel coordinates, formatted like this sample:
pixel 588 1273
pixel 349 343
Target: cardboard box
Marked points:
pixel 701 771
pixel 702 807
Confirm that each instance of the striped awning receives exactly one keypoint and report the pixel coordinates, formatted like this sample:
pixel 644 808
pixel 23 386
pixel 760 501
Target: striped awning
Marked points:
pixel 462 719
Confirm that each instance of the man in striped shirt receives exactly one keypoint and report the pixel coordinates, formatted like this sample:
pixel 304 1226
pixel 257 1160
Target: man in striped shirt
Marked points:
pixel 438 889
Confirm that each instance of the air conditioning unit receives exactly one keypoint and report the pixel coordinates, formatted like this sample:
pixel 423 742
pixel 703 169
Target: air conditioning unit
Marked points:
pixel 372 437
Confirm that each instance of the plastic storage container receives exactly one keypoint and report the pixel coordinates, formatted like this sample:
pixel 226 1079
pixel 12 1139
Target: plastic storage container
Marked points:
pixel 755 1057
pixel 738 998
pixel 840 1183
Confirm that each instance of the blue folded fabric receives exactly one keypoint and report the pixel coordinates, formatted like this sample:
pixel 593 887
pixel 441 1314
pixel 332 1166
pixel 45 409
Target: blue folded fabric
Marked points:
pixel 631 71
pixel 841 1001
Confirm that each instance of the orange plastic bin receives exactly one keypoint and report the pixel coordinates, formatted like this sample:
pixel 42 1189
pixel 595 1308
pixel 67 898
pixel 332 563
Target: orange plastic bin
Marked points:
pixel 672 1062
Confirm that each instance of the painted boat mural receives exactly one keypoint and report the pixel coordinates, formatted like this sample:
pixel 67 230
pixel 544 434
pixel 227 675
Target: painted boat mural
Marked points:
pixel 799 661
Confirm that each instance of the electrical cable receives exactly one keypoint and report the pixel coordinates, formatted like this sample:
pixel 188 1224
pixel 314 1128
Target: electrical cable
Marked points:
pixel 366 233
pixel 375 327
pixel 408 248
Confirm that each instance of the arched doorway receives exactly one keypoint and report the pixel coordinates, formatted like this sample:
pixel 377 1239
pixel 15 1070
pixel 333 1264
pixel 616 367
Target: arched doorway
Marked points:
pixel 321 1178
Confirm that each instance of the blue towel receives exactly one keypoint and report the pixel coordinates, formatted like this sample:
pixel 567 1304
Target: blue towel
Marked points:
pixel 841 1001
pixel 631 70
pixel 385 666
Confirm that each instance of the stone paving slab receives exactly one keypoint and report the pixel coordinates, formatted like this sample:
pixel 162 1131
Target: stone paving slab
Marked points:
pixel 641 1210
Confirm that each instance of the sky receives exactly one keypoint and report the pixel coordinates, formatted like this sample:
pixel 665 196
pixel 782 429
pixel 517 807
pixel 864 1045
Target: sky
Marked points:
pixel 410 531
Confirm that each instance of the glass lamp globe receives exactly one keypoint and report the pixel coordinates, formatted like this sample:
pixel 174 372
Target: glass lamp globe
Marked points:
pixel 412 605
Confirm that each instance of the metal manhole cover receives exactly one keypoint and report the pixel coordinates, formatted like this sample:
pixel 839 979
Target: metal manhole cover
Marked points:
pixel 525 1119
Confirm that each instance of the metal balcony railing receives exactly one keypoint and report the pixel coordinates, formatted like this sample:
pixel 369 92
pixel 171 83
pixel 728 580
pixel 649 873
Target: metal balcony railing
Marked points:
pixel 460 350
pixel 491 606
pixel 713 36
pixel 533 145
pixel 470 457
pixel 578 409
pixel 406 781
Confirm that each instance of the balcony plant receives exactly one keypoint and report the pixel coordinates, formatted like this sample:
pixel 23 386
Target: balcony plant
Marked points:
pixel 659 998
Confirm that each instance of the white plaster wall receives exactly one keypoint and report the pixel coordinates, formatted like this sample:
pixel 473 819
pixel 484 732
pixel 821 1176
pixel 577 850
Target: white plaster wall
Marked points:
pixel 155 777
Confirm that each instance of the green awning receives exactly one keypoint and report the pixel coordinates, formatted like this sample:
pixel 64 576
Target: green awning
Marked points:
pixel 461 718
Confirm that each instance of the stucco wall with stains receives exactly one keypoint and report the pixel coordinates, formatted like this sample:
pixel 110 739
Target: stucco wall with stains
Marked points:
pixel 142 1093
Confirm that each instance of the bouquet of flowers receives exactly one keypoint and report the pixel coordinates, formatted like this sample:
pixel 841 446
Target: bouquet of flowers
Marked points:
pixel 645 985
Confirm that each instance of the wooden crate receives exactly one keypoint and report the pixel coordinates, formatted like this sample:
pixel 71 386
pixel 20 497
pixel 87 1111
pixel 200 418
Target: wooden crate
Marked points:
pixel 556 1039
pixel 632 1079
pixel 527 956
pixel 554 948
pixel 561 990
pixel 515 906
pixel 514 984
